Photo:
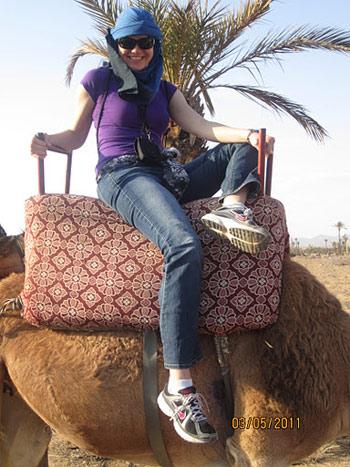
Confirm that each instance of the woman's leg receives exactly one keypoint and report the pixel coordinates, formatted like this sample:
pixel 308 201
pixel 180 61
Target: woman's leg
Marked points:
pixel 139 197
pixel 229 167
pixel 233 168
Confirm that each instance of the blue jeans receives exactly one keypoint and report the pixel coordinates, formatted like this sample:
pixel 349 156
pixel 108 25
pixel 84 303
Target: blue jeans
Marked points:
pixel 136 193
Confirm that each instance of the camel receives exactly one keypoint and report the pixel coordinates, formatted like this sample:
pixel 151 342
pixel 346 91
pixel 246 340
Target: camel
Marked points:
pixel 11 254
pixel 2 231
pixel 291 386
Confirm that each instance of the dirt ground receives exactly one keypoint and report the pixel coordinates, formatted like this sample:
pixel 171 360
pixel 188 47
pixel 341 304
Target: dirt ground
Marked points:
pixel 334 273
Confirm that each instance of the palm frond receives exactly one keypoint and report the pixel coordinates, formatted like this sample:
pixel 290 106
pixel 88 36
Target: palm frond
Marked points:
pixel 88 47
pixel 218 44
pixel 281 104
pixel 104 12
pixel 191 24
pixel 158 8
pixel 249 13
pixel 295 40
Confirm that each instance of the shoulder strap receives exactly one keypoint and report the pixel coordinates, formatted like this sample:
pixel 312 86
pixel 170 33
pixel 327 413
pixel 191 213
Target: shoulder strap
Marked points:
pixel 165 134
pixel 104 97
pixel 143 109
pixel 145 127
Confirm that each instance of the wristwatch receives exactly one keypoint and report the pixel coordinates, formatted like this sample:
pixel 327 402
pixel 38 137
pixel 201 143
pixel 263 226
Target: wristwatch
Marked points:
pixel 40 135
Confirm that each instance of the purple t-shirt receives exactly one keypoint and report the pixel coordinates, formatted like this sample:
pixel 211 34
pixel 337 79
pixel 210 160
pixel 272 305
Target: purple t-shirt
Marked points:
pixel 121 123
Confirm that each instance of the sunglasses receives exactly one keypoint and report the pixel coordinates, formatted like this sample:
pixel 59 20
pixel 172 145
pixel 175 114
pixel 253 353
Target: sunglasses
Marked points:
pixel 130 43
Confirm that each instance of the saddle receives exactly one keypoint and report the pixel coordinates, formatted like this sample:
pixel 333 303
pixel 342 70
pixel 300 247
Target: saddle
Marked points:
pixel 86 269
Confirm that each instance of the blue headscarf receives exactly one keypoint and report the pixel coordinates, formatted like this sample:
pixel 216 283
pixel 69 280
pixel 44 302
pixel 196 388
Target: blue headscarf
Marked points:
pixel 137 86
pixel 136 21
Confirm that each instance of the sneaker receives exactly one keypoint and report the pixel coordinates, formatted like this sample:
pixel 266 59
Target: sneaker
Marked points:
pixel 185 409
pixel 237 226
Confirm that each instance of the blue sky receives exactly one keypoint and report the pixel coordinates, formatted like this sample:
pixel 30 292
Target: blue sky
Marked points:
pixel 312 180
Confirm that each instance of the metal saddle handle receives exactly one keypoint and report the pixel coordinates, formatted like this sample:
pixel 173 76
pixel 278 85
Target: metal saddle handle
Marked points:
pixel 41 166
pixel 265 162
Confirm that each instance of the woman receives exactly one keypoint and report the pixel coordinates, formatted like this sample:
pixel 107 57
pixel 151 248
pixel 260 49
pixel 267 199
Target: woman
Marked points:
pixel 131 106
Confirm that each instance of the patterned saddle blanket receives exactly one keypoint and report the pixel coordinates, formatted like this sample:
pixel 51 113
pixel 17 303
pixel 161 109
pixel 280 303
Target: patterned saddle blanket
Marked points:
pixel 87 269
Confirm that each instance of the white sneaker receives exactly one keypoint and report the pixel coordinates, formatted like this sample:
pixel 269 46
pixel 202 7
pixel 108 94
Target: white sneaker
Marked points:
pixel 237 226
pixel 186 411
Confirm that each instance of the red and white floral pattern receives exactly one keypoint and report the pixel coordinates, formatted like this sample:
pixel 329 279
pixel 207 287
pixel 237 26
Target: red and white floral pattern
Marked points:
pixel 87 269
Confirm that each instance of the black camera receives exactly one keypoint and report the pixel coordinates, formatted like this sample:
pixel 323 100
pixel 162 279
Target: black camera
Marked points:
pixel 147 151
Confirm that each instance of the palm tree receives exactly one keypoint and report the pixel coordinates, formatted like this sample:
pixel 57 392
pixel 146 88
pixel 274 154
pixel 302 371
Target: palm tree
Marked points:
pixel 345 243
pixel 297 246
pixel 340 226
pixel 202 44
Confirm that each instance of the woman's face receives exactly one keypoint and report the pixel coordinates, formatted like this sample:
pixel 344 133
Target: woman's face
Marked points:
pixel 136 58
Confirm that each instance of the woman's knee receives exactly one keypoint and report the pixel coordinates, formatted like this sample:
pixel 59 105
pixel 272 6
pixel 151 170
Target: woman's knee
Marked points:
pixel 184 244
pixel 236 151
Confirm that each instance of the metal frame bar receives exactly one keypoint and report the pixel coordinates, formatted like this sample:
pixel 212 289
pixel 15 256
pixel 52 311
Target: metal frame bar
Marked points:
pixel 265 164
pixel 41 166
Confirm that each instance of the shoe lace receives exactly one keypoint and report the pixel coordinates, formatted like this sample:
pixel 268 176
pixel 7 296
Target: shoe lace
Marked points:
pixel 195 402
pixel 248 213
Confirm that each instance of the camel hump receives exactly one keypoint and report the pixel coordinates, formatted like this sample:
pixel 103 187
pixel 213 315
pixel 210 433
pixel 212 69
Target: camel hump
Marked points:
pixel 87 269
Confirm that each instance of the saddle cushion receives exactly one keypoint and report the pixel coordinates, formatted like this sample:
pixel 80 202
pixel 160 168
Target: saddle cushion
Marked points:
pixel 87 269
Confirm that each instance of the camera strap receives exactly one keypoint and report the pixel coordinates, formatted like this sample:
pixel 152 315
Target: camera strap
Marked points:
pixel 145 129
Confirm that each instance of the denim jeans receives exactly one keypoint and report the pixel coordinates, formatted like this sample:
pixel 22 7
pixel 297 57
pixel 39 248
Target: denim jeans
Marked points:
pixel 136 193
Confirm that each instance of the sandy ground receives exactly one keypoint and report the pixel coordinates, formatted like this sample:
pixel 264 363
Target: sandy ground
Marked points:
pixel 334 273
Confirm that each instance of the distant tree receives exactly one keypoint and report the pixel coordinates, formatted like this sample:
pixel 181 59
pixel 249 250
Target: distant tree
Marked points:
pixel 203 43
pixel 297 246
pixel 340 226
pixel 345 243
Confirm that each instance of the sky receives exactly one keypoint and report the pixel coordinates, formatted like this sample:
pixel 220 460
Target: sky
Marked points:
pixel 311 179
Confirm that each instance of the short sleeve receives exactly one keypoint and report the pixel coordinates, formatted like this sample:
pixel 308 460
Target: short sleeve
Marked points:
pixel 169 89
pixel 95 81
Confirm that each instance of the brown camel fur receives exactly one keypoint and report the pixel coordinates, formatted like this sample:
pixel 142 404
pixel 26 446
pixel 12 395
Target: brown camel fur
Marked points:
pixel 11 255
pixel 88 387
pixel 11 286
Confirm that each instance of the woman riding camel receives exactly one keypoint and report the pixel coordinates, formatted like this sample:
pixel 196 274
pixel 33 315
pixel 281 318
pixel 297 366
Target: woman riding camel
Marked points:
pixel 130 106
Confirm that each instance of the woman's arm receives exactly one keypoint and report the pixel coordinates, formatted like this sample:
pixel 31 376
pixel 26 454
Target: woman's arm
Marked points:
pixel 75 136
pixel 193 123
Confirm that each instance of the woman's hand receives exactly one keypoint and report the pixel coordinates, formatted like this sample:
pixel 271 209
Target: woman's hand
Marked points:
pixel 39 146
pixel 253 139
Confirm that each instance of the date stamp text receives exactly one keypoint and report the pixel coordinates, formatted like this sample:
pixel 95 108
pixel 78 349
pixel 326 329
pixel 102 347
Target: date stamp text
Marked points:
pixel 266 423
